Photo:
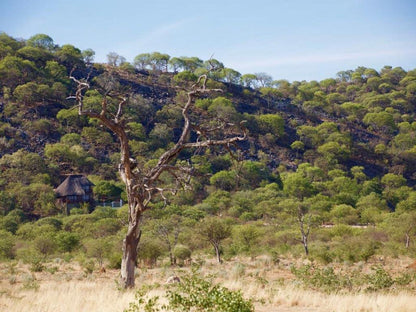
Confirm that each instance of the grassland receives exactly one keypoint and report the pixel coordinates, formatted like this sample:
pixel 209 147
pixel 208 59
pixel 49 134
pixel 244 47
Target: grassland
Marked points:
pixel 67 287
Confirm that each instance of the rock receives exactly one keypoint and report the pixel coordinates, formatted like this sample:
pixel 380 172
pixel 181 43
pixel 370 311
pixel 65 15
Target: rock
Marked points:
pixel 173 279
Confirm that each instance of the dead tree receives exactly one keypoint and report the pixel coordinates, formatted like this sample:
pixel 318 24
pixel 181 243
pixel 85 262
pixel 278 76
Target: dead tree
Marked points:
pixel 142 187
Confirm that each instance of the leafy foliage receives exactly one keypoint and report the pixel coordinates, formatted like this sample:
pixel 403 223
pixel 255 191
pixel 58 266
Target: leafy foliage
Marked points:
pixel 194 293
pixel 336 157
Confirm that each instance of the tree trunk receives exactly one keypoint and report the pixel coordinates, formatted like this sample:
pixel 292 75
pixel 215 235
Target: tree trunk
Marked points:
pixel 305 244
pixel 128 261
pixel 172 258
pixel 218 253
pixel 407 241
pixel 305 234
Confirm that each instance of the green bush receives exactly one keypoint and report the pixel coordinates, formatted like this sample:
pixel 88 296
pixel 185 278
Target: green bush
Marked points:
pixel 56 223
pixel 6 245
pixel 9 224
pixel 45 244
pixel 33 257
pixel 193 294
pixel 379 279
pixel 149 251
pixel 67 241
pixel 322 253
pixel 322 279
pixel 404 279
pixel 114 260
pixel 97 248
pixel 182 252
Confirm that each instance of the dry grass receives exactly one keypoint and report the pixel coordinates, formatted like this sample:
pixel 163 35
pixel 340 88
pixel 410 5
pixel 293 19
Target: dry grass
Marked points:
pixel 69 289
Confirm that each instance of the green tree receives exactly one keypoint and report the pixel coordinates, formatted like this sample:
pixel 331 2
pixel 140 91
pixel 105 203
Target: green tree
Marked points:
pixel 214 230
pixel 225 180
pixel 31 93
pixel 66 241
pixel 70 56
pixel 36 55
pixel 371 208
pixel 271 123
pixel 403 226
pixel 382 121
pixel 41 41
pixel 334 152
pixel 15 71
pixel 408 204
pixel 230 75
pixel 107 190
pixel 149 251
pixel 168 230
pixel 297 146
pixel 98 248
pixel 56 71
pixel 7 241
pixel 159 61
pixel 248 80
pixel 88 56
pixel 345 214
pixel 304 218
pixel 246 236
pixel 142 61
pixel 298 186
pixel 71 119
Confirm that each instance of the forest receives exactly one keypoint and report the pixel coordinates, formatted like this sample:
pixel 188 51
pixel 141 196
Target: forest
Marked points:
pixel 327 171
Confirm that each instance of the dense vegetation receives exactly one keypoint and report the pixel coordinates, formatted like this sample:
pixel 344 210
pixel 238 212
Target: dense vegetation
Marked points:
pixel 329 167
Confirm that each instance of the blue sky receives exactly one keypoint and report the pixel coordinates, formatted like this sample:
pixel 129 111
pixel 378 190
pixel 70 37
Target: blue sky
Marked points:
pixel 293 39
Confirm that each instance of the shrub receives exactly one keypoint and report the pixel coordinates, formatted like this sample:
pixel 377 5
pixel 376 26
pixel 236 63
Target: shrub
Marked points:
pixel 379 279
pixel 30 283
pixel 89 266
pixel 114 260
pixel 67 241
pixel 33 257
pixel 404 279
pixel 193 294
pixel 45 244
pixel 56 223
pixel 322 279
pixel 6 244
pixel 149 251
pixel 9 224
pixel 182 252
pixel 97 248
pixel 322 253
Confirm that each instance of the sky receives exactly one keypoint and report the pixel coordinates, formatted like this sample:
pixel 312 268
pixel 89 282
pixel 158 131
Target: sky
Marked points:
pixel 292 39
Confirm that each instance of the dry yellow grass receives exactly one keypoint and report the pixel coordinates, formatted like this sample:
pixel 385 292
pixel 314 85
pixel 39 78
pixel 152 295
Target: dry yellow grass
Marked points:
pixel 70 290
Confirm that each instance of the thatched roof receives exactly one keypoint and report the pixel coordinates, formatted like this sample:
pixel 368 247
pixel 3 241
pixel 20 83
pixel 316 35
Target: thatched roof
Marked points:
pixel 74 184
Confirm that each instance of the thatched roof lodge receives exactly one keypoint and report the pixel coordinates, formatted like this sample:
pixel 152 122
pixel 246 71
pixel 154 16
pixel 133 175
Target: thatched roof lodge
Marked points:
pixel 75 190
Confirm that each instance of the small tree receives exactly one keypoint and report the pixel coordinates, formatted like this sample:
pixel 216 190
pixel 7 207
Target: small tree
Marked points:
pixel 143 184
pixel 182 253
pixel 215 230
pixel 168 231
pixel 305 220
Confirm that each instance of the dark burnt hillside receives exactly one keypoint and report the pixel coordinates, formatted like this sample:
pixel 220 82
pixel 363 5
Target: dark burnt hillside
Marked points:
pixel 359 125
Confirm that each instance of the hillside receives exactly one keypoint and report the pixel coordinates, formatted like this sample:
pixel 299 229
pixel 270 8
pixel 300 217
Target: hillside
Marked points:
pixel 338 152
